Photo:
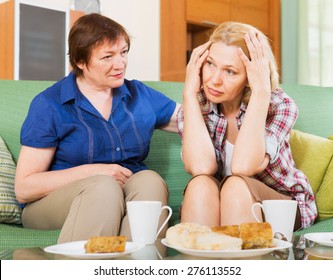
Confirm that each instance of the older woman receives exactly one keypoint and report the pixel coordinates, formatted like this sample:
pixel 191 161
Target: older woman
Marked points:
pixel 85 139
pixel 235 124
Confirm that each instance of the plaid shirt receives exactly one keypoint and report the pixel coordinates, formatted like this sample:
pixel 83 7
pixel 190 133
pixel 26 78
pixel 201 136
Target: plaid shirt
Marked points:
pixel 281 173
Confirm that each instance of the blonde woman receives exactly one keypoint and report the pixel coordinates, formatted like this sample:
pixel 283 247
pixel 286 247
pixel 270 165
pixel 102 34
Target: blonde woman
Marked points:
pixel 235 124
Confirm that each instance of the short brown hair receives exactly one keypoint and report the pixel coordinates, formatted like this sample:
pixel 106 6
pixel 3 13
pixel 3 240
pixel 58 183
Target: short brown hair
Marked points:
pixel 88 32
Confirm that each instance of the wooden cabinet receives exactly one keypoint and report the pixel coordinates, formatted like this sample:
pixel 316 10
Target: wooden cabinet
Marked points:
pixel 263 14
pixel 39 43
pixel 186 24
pixel 7 40
pixel 173 40
pixel 210 12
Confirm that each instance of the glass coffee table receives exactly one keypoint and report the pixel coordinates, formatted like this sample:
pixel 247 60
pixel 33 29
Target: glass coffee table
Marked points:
pixel 302 249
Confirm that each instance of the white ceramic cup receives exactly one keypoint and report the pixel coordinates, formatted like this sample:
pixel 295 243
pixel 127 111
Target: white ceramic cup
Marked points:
pixel 143 219
pixel 280 214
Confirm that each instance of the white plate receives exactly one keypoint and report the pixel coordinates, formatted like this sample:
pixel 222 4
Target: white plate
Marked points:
pixel 322 252
pixel 323 238
pixel 76 250
pixel 277 243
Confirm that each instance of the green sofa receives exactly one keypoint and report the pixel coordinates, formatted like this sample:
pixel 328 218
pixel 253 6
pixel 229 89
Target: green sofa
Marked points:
pixel 315 119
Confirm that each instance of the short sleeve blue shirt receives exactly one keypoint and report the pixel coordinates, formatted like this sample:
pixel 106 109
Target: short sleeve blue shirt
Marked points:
pixel 62 117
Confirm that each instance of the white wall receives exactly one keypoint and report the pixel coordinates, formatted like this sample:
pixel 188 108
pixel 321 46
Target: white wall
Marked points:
pixel 141 18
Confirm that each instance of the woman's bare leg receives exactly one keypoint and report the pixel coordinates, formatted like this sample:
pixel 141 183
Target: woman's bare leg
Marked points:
pixel 201 202
pixel 236 202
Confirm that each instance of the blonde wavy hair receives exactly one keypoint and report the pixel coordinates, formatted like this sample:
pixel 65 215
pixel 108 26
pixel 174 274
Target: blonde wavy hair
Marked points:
pixel 232 34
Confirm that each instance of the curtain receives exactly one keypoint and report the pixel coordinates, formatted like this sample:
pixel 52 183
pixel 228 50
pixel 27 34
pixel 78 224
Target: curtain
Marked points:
pixel 315 42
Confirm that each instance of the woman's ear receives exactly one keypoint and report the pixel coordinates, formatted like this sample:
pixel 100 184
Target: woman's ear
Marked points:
pixel 80 65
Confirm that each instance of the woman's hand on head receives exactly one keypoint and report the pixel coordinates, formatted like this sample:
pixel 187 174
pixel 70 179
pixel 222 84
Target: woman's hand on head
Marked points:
pixel 257 68
pixel 193 69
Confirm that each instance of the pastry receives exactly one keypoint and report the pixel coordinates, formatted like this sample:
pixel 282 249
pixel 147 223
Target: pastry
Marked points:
pixel 105 244
pixel 194 236
pixel 232 230
pixel 256 235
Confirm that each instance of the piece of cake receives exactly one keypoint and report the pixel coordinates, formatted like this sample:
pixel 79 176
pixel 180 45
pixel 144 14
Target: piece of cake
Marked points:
pixel 105 244
pixel 232 230
pixel 256 235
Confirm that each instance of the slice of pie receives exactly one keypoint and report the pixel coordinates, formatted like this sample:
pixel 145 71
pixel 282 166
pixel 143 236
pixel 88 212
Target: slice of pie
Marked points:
pixel 254 235
pixel 105 244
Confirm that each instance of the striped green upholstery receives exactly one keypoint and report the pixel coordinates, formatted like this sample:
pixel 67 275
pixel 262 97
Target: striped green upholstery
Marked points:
pixel 322 226
pixel 6 255
pixel 164 156
pixel 15 99
pixel 315 108
pixel 15 236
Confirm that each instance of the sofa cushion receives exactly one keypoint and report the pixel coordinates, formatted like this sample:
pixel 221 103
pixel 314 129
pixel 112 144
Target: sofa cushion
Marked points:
pixel 315 108
pixel 15 236
pixel 16 96
pixel 320 226
pixel 164 156
pixel 312 154
pixel 10 211
pixel 324 196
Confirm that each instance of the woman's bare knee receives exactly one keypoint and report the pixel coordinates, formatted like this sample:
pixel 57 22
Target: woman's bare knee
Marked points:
pixel 236 195
pixel 201 183
pixel 234 184
pixel 201 202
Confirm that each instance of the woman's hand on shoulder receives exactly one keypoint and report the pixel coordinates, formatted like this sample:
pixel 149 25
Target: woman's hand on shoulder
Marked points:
pixel 171 126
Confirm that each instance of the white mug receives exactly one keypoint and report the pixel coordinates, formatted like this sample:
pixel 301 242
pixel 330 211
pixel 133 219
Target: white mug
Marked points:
pixel 143 219
pixel 280 214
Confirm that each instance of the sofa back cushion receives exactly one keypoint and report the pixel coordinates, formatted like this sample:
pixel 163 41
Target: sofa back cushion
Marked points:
pixel 15 96
pixel 164 156
pixel 315 108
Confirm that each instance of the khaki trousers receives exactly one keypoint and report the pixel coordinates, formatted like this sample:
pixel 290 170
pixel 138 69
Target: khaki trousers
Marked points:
pixel 94 206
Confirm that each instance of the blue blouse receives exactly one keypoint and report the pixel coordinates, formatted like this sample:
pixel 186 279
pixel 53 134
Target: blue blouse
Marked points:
pixel 62 117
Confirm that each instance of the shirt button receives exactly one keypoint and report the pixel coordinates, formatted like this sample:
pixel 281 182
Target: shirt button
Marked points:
pixel 117 149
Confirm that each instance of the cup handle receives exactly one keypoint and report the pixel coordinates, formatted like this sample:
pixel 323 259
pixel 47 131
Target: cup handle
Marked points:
pixel 254 213
pixel 279 235
pixel 167 219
